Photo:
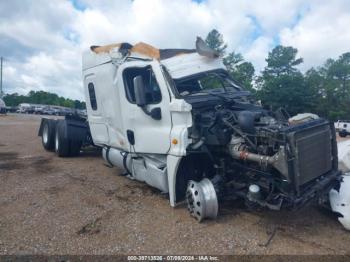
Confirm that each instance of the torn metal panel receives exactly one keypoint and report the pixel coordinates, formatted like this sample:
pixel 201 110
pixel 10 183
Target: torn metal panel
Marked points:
pixel 204 50
pixel 150 51
pixel 105 48
pixel 146 50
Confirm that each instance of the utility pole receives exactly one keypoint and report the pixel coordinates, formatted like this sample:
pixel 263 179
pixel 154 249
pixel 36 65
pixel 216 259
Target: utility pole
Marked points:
pixel 1 77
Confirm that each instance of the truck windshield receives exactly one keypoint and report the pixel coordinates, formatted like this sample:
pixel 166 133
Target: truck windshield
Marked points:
pixel 217 81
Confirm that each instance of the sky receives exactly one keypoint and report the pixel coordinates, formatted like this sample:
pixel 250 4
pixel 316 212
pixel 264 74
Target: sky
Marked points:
pixel 42 41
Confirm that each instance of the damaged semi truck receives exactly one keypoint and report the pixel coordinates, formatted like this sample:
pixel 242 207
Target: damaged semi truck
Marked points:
pixel 174 118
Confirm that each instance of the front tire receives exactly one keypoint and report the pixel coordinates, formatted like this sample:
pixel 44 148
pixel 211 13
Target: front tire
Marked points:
pixel 202 201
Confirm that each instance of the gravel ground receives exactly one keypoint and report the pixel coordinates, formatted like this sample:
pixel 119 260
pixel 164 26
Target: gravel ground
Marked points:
pixel 51 205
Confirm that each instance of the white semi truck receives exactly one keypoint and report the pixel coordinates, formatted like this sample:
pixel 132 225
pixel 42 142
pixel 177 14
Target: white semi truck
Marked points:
pixel 174 119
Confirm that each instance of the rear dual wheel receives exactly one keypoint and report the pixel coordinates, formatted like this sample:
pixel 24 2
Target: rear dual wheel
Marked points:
pixel 342 133
pixel 65 147
pixel 48 135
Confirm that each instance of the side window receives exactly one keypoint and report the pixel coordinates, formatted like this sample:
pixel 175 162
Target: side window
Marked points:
pixel 92 96
pixel 153 92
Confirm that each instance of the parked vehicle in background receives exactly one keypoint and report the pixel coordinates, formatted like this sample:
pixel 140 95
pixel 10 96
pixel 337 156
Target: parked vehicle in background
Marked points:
pixel 81 112
pixel 2 107
pixel 342 127
pixel 63 112
pixel 39 110
pixel 55 110
pixel 11 109
pixel 48 111
pixel 25 108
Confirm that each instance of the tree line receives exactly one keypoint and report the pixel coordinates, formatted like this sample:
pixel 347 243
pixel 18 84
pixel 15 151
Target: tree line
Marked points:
pixel 323 90
pixel 42 97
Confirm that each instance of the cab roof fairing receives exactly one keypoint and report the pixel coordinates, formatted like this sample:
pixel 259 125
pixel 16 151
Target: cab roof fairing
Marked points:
pixel 178 66
pixel 190 64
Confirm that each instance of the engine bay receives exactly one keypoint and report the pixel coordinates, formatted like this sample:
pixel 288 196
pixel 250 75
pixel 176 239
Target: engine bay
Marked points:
pixel 260 156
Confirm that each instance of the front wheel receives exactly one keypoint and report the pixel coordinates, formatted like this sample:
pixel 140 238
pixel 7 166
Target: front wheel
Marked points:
pixel 201 199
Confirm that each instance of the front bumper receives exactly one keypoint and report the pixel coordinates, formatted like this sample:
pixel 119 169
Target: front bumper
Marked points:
pixel 340 201
pixel 318 189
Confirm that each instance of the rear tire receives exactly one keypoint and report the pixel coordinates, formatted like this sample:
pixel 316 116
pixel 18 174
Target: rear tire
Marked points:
pixel 48 135
pixel 342 134
pixel 75 147
pixel 61 143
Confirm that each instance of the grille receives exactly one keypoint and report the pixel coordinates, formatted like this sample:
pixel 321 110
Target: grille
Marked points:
pixel 314 153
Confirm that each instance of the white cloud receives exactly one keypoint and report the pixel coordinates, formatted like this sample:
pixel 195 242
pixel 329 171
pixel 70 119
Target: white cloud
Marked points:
pixel 258 52
pixel 275 15
pixel 44 39
pixel 322 33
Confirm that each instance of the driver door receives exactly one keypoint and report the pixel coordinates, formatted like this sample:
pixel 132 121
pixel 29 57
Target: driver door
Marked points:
pixel 144 133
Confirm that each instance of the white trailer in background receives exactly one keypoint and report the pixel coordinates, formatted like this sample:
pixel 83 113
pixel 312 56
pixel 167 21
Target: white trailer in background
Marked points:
pixel 174 118
pixel 342 127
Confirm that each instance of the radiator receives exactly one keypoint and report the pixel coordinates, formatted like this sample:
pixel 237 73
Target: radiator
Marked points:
pixel 313 153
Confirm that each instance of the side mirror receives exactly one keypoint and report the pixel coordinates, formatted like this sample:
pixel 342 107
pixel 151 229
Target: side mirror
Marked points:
pixel 156 113
pixel 140 92
pixel 141 100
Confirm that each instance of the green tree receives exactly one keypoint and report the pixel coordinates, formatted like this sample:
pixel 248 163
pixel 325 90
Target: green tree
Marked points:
pixel 215 40
pixel 282 84
pixel 241 71
pixel 282 61
pixel 331 83
pixel 42 97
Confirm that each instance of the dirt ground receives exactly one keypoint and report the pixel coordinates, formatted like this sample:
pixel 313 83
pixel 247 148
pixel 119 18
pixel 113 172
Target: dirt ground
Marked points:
pixel 51 205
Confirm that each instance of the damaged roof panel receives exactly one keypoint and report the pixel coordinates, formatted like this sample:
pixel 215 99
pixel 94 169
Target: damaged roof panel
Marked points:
pixel 188 58
pixel 142 49
pixel 155 53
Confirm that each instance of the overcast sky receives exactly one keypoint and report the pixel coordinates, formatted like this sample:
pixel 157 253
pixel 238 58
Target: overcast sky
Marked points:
pixel 42 40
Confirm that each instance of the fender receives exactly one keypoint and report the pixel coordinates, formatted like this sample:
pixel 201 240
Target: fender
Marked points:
pixel 172 166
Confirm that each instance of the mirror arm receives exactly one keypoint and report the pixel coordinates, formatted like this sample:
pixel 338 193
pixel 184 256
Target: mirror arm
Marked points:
pixel 144 109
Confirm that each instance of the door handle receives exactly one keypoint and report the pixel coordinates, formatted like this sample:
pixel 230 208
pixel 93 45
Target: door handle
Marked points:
pixel 131 137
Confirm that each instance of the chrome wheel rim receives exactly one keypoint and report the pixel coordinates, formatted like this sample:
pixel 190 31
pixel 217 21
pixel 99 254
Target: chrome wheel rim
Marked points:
pixel 56 142
pixel 201 199
pixel 46 133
